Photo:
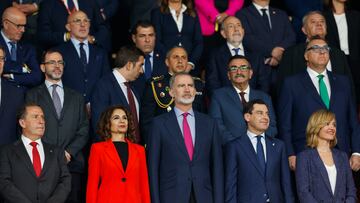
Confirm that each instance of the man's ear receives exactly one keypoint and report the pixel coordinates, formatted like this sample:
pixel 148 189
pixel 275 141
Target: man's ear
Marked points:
pixel 247 117
pixel 67 26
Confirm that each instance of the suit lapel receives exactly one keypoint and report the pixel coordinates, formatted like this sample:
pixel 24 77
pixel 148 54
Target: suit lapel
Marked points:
pixel 258 17
pixel 339 170
pixel 310 88
pixel 20 150
pixel 235 97
pixel 248 149
pixel 321 167
pixel 333 89
pixel 49 157
pixel 47 98
pixel 270 154
pixel 118 91
pixel 198 136
pixel 173 128
pixel 111 152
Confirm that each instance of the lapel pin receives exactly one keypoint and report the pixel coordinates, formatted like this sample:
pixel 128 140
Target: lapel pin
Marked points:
pixel 273 144
pixel 51 150
pixel 274 12
pixel 157 55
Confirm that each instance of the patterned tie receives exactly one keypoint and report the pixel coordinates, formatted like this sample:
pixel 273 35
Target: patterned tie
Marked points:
pixel 260 153
pixel 56 100
pixel 71 5
pixel 147 66
pixel 13 51
pixel 83 57
pixel 265 18
pixel 236 50
pixel 243 100
pixel 187 136
pixel 133 111
pixel 36 159
pixel 323 91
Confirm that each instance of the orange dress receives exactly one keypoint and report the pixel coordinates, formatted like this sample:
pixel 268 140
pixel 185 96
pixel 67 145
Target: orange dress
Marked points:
pixel 107 180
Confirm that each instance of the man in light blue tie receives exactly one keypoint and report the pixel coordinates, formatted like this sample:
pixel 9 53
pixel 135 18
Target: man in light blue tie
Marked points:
pixel 256 168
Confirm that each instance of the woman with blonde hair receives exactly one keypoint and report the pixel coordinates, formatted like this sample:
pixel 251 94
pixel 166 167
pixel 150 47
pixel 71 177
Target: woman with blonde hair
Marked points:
pixel 323 172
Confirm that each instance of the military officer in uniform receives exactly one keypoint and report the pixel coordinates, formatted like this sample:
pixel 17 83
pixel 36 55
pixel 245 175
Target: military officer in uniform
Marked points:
pixel 157 100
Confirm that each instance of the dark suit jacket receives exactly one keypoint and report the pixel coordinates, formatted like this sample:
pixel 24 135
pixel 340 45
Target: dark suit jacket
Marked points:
pixel 258 38
pixel 312 179
pixel 80 78
pixel 53 18
pixel 244 179
pixel 11 99
pixel 172 174
pixel 293 62
pixel 25 54
pixel 70 132
pixel 299 99
pixel 168 35
pixel 107 93
pixel 108 181
pixel 226 108
pixel 217 69
pixel 158 68
pixel 20 184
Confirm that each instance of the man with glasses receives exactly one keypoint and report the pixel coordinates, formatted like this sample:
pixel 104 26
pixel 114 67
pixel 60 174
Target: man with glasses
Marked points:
pixel 86 63
pixel 65 119
pixel 313 89
pixel 21 67
pixel 227 103
pixel 11 98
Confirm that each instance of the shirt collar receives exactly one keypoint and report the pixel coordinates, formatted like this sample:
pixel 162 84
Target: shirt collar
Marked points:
pixel 49 84
pixel 178 112
pixel 27 141
pixel 77 42
pixel 258 7
pixel 183 9
pixel 253 135
pixel 231 47
pixel 247 90
pixel 314 74
pixel 7 40
pixel 120 78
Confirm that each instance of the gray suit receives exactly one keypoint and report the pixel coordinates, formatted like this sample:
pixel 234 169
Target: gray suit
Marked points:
pixel 19 183
pixel 70 132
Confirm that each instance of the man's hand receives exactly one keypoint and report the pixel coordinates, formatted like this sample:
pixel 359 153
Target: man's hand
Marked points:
pixel 355 162
pixel 68 156
pixel 292 162
pixel 28 9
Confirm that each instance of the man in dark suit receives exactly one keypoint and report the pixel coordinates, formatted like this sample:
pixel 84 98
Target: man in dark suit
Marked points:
pixel 184 151
pixel 227 103
pixel 143 36
pixel 256 168
pixel 216 72
pixel 268 30
pixel 21 67
pixel 11 98
pixel 157 99
pixel 65 117
pixel 53 16
pixel 85 63
pixel 293 62
pixel 32 170
pixel 115 89
pixel 313 89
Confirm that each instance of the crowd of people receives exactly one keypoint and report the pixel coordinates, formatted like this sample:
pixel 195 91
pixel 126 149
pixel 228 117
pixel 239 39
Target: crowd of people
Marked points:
pixel 209 101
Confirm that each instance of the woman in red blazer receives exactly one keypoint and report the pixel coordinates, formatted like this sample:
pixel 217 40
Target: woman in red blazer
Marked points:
pixel 117 166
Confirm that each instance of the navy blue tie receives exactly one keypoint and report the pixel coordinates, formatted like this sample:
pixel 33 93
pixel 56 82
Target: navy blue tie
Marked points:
pixel 71 5
pixel 13 51
pixel 265 18
pixel 260 153
pixel 147 66
pixel 83 54
pixel 236 50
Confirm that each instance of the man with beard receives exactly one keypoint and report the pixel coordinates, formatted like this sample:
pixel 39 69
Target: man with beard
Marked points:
pixel 65 118
pixel 227 103
pixel 157 100
pixel 184 151
pixel 216 72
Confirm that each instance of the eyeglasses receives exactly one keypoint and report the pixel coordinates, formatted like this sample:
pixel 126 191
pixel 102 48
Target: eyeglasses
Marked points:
pixel 319 49
pixel 241 68
pixel 79 21
pixel 2 59
pixel 18 26
pixel 53 63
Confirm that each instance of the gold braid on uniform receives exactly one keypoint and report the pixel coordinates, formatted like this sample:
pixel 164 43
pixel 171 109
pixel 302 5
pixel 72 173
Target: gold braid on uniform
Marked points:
pixel 160 104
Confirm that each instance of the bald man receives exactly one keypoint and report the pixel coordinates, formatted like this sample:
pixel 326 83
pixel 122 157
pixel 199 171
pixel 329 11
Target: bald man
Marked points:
pixel 85 62
pixel 21 67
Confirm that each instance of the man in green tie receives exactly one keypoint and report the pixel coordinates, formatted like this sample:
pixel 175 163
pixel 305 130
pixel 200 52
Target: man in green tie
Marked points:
pixel 313 89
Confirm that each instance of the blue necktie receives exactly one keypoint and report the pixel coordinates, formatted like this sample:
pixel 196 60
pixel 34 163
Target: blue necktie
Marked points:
pixel 265 18
pixel 260 153
pixel 71 5
pixel 13 51
pixel 83 54
pixel 236 50
pixel 147 66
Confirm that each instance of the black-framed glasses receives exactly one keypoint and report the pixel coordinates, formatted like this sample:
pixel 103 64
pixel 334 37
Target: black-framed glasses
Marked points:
pixel 18 26
pixel 319 49
pixel 53 62
pixel 79 21
pixel 2 58
pixel 241 68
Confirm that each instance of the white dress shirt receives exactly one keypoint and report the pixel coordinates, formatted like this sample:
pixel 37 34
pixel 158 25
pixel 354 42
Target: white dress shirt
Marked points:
pixel 258 8
pixel 59 90
pixel 241 50
pixel 40 147
pixel 331 171
pixel 342 28
pixel 246 95
pixel 76 44
pixel 313 75
pixel 178 20
pixel 253 139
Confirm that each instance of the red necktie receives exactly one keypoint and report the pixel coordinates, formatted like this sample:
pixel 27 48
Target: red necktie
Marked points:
pixel 133 111
pixel 36 159
pixel 187 136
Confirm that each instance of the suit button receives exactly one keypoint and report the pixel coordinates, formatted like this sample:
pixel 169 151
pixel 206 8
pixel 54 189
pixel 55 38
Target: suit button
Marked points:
pixel 84 95
pixel 123 179
pixel 85 80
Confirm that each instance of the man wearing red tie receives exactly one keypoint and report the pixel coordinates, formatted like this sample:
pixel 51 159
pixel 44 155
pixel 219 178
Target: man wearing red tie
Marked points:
pixel 184 151
pixel 30 169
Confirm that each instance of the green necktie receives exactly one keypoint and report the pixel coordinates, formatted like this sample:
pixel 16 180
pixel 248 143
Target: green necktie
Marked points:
pixel 323 91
